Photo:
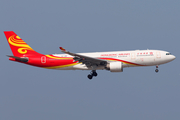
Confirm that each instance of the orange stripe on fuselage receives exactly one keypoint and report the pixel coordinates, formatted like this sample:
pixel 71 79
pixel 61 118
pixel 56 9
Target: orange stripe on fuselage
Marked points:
pixel 60 62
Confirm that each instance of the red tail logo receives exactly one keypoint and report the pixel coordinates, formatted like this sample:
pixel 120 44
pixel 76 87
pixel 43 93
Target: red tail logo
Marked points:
pixel 18 46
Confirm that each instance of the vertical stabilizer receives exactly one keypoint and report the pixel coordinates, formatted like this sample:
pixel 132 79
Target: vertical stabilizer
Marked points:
pixel 18 46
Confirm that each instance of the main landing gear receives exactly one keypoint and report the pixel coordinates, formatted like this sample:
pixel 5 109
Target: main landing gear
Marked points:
pixel 93 73
pixel 156 69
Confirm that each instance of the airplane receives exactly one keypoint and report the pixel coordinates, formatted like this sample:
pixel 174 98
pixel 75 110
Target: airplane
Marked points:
pixel 114 61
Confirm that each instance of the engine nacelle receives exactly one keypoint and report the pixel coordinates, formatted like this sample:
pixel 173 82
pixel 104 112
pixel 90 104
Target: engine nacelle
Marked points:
pixel 115 66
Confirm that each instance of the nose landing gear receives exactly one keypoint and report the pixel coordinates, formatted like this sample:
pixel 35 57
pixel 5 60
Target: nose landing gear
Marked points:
pixel 93 73
pixel 156 69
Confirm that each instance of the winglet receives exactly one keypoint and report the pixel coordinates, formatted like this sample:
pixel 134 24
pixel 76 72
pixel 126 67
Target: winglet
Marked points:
pixel 62 49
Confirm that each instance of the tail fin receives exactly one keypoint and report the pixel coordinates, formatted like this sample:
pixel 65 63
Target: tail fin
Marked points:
pixel 18 46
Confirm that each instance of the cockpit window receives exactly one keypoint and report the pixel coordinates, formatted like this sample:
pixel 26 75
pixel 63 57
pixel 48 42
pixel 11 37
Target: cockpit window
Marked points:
pixel 168 53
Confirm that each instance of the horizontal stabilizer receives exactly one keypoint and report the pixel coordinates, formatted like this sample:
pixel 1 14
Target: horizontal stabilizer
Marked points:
pixel 21 59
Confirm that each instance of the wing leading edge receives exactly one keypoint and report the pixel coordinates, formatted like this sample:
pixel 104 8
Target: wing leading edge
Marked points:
pixel 88 61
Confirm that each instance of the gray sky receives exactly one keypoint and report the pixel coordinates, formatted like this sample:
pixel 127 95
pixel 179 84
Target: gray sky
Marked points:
pixel 30 93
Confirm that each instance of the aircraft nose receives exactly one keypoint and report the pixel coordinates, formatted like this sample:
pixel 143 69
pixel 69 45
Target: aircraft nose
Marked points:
pixel 173 57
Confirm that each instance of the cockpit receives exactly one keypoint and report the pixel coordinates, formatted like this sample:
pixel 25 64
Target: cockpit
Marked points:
pixel 168 53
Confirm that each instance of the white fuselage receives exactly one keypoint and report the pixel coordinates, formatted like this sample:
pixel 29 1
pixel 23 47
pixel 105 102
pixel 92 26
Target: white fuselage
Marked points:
pixel 128 58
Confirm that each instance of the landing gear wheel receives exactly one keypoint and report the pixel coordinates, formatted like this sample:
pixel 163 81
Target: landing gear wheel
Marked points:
pixel 94 74
pixel 90 76
pixel 156 70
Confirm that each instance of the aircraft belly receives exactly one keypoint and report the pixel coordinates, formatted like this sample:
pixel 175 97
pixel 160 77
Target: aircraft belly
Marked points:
pixel 80 67
pixel 65 68
pixel 84 67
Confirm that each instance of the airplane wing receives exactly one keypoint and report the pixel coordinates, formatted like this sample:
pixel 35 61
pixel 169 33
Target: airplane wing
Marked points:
pixel 88 61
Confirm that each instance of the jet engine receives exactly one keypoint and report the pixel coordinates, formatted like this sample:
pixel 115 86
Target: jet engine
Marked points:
pixel 114 66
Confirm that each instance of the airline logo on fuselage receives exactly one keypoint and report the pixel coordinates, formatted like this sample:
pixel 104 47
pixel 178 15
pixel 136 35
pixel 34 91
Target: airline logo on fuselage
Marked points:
pixel 115 54
pixel 126 54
